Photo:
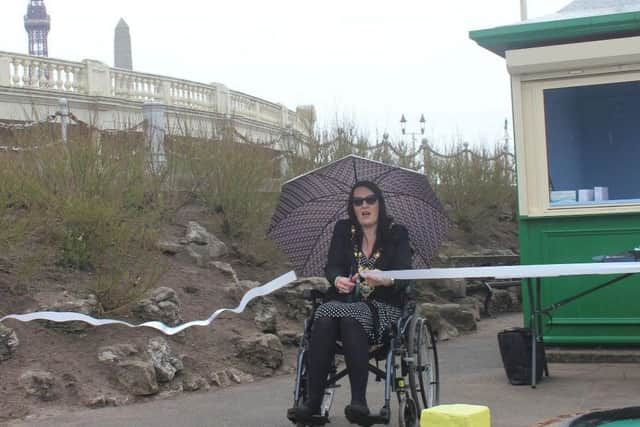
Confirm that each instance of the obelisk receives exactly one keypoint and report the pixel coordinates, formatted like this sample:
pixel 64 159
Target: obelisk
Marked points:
pixel 122 46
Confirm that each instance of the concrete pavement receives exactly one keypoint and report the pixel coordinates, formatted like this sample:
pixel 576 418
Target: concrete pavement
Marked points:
pixel 471 372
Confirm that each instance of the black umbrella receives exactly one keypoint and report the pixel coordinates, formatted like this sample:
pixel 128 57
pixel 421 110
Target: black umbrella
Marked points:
pixel 310 204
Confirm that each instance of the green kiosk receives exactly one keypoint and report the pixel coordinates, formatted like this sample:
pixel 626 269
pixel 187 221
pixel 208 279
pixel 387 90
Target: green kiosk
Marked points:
pixel 575 79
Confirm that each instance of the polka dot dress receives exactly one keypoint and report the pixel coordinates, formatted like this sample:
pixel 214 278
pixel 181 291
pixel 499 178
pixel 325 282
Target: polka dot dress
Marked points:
pixel 361 311
pixel 387 314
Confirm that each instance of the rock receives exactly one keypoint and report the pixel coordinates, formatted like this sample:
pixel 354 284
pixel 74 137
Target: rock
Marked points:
pixel 101 401
pixel 8 342
pixel 196 255
pixel 262 352
pixel 297 307
pixel 217 248
pixel 88 306
pixel 290 337
pixel 117 353
pixel 225 268
pixel 432 314
pixel 450 288
pixel 133 369
pixel 425 293
pixel 170 247
pixel 237 290
pixel 164 361
pixel 247 285
pixel 239 377
pixel 40 384
pixel 447 331
pixel 473 305
pixel 226 377
pixel 266 316
pixel 161 304
pixel 194 382
pixel 138 377
pixel 219 379
pixel 197 235
pixel 173 392
pixel 313 282
pixel 505 301
pixel 459 317
pixel 446 319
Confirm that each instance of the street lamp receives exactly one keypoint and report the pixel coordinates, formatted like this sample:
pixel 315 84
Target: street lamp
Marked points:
pixel 403 126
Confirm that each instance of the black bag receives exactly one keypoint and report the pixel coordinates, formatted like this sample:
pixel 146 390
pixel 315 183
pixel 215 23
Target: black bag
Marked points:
pixel 515 349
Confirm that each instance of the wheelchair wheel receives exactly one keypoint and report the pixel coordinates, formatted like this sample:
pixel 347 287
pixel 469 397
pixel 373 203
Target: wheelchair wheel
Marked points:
pixel 408 413
pixel 300 386
pixel 424 381
pixel 300 391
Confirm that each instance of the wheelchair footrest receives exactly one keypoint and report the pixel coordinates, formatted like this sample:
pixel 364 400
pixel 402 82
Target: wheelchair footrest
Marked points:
pixel 319 420
pixel 314 420
pixel 374 419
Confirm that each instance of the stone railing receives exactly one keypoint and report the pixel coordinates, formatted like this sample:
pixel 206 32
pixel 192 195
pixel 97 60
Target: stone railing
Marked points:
pixel 148 87
pixel 93 78
pixel 35 72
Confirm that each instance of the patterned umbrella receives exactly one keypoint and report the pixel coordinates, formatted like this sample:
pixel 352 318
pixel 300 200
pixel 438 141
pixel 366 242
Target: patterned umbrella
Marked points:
pixel 310 205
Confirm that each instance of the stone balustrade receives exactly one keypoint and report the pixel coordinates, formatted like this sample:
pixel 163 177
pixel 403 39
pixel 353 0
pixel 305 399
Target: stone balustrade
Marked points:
pixel 94 79
pixel 36 72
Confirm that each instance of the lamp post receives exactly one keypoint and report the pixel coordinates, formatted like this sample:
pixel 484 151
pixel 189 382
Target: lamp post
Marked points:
pixel 422 122
pixel 523 10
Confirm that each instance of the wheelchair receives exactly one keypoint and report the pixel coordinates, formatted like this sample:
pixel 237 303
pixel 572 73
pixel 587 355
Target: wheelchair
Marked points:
pixel 410 367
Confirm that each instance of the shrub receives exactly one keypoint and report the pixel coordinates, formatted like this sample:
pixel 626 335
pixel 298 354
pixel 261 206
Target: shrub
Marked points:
pixel 475 186
pixel 93 201
pixel 235 181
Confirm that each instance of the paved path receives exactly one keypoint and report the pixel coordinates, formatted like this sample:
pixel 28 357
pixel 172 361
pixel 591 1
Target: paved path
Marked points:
pixel 471 372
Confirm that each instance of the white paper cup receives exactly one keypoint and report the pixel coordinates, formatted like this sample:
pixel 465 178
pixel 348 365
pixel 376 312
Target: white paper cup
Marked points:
pixel 600 193
pixel 585 195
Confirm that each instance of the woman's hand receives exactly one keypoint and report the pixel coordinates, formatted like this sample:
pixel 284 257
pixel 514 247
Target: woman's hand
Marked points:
pixel 376 278
pixel 344 285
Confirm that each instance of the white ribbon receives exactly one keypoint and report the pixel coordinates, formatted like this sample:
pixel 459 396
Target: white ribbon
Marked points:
pixel 517 271
pixel 69 316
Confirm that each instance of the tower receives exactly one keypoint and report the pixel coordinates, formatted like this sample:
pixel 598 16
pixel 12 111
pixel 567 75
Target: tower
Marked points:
pixel 122 46
pixel 37 23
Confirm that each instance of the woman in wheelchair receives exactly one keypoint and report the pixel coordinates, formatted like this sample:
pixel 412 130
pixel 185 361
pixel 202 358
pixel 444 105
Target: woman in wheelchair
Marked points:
pixel 361 303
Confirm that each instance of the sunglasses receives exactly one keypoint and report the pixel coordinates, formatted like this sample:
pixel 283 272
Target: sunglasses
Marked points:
pixel 371 200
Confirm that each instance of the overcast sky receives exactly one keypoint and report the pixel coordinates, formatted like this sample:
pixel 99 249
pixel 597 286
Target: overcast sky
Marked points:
pixel 368 61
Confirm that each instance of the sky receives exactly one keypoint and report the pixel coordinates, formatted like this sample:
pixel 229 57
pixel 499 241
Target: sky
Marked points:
pixel 366 62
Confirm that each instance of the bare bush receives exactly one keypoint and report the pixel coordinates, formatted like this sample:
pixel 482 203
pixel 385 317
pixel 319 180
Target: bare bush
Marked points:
pixel 93 201
pixel 475 186
pixel 97 203
pixel 235 181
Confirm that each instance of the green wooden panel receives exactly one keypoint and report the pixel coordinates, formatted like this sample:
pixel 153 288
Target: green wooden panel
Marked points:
pixel 610 315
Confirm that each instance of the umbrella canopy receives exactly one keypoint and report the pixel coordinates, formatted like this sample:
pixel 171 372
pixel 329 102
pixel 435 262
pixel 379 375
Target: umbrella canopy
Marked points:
pixel 310 205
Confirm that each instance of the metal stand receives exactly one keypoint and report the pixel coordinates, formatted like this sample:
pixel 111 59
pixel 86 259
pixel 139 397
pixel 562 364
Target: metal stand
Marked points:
pixel 535 318
pixel 533 324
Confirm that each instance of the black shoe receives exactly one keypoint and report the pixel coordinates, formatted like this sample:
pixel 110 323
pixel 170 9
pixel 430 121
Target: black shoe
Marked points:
pixel 300 414
pixel 357 414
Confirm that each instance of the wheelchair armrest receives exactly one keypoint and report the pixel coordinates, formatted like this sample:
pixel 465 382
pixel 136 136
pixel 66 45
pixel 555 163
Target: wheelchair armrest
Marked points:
pixel 410 292
pixel 409 298
pixel 313 295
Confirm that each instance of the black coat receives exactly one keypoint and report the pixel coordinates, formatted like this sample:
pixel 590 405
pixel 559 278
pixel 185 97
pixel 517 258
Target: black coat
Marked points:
pixel 395 254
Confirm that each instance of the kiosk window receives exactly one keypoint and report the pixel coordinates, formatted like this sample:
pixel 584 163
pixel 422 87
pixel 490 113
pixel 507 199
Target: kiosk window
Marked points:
pixel 593 143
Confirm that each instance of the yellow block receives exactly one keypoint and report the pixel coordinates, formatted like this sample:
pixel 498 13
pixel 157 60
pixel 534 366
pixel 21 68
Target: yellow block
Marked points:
pixel 457 415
